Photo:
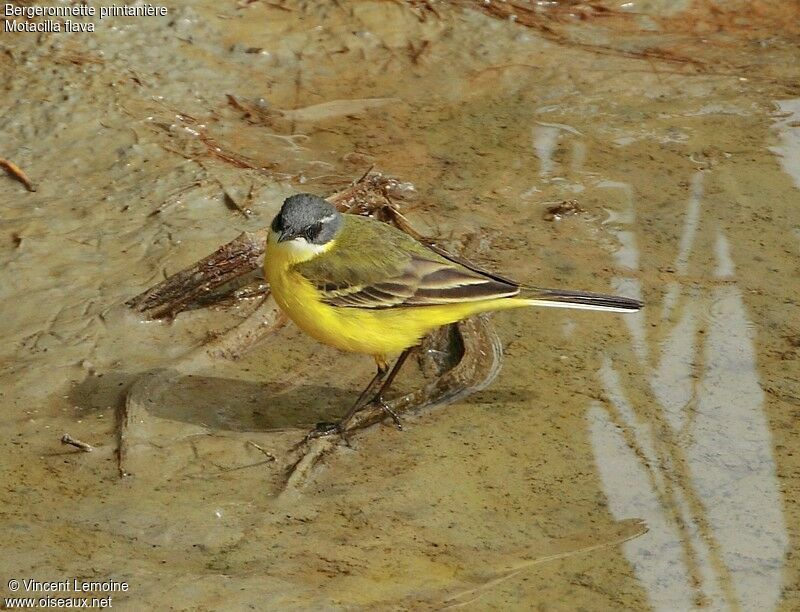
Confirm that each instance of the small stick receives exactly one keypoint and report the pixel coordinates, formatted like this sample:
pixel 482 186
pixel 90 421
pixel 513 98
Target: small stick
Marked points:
pixel 231 260
pixel 231 202
pixel 17 172
pixel 267 454
pixel 68 439
pixel 363 176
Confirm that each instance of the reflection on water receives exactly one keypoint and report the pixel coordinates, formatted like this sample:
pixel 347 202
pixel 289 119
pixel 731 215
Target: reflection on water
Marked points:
pixel 627 258
pixel 788 126
pixel 545 140
pixel 685 443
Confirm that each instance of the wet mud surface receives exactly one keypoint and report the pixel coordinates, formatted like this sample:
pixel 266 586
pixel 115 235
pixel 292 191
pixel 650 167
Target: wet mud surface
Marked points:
pixel 646 148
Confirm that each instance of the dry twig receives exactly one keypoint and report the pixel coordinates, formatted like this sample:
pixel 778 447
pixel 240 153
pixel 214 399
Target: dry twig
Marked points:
pixel 265 452
pixel 17 172
pixel 69 440
pixel 232 260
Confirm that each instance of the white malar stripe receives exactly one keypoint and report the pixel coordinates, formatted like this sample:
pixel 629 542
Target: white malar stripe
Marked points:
pixel 300 249
pixel 574 306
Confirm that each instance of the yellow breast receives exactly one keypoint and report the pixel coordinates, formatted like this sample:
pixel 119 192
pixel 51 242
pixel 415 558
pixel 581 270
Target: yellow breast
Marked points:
pixel 348 329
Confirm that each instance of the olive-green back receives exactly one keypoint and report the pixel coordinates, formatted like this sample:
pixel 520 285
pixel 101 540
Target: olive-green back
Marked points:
pixel 375 265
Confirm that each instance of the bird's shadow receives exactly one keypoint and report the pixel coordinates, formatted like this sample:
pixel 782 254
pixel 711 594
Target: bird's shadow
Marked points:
pixel 229 404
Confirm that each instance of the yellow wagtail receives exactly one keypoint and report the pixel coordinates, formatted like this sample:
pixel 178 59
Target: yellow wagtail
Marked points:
pixel 364 286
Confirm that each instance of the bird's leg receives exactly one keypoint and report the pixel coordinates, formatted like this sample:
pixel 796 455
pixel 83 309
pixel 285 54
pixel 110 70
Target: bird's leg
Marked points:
pixel 378 398
pixel 366 396
pixel 327 429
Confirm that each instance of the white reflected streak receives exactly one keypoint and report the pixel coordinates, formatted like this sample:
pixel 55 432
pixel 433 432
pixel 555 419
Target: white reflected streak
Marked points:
pixel 709 585
pixel 697 464
pixel 671 296
pixel 672 381
pixel 545 139
pixel 560 126
pixel 731 461
pixel 642 431
pixel 722 248
pixel 634 321
pixel 627 255
pixel 657 557
pixel 568 327
pixel 629 214
pixel 690 225
pixel 788 151
pixel 578 155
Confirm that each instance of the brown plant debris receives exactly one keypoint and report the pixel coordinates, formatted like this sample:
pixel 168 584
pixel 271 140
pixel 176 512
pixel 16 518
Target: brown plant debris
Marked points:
pixel 70 441
pixel 558 211
pixel 679 38
pixel 176 293
pixel 17 172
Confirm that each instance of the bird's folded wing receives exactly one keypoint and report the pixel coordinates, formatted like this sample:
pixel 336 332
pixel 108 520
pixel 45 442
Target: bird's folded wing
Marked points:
pixel 420 278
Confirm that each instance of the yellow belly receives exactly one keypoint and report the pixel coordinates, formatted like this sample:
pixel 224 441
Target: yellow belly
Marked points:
pixel 372 331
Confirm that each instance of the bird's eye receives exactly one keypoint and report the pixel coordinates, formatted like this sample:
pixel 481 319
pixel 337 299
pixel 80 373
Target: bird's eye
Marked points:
pixel 312 231
pixel 277 224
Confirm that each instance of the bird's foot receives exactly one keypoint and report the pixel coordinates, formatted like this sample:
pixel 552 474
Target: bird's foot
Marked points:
pixel 385 407
pixel 326 428
pixel 322 430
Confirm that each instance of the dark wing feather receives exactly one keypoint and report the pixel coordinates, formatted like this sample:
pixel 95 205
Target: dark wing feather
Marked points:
pixel 385 268
pixel 423 282
pixel 468 264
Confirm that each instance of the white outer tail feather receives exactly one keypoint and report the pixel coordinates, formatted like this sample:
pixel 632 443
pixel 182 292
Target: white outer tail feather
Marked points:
pixel 579 306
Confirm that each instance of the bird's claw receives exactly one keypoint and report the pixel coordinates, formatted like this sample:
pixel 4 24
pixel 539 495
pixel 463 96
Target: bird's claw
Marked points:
pixel 326 428
pixel 385 407
pixel 322 430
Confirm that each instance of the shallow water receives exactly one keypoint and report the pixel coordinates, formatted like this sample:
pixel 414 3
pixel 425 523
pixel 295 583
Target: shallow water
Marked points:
pixel 684 415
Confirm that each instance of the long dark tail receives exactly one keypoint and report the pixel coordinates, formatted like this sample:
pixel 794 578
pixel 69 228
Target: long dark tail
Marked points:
pixel 562 298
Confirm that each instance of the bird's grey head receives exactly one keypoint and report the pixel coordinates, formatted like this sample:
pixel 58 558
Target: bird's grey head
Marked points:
pixel 309 217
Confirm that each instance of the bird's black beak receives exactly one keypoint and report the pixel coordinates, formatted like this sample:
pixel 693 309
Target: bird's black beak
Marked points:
pixel 284 236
